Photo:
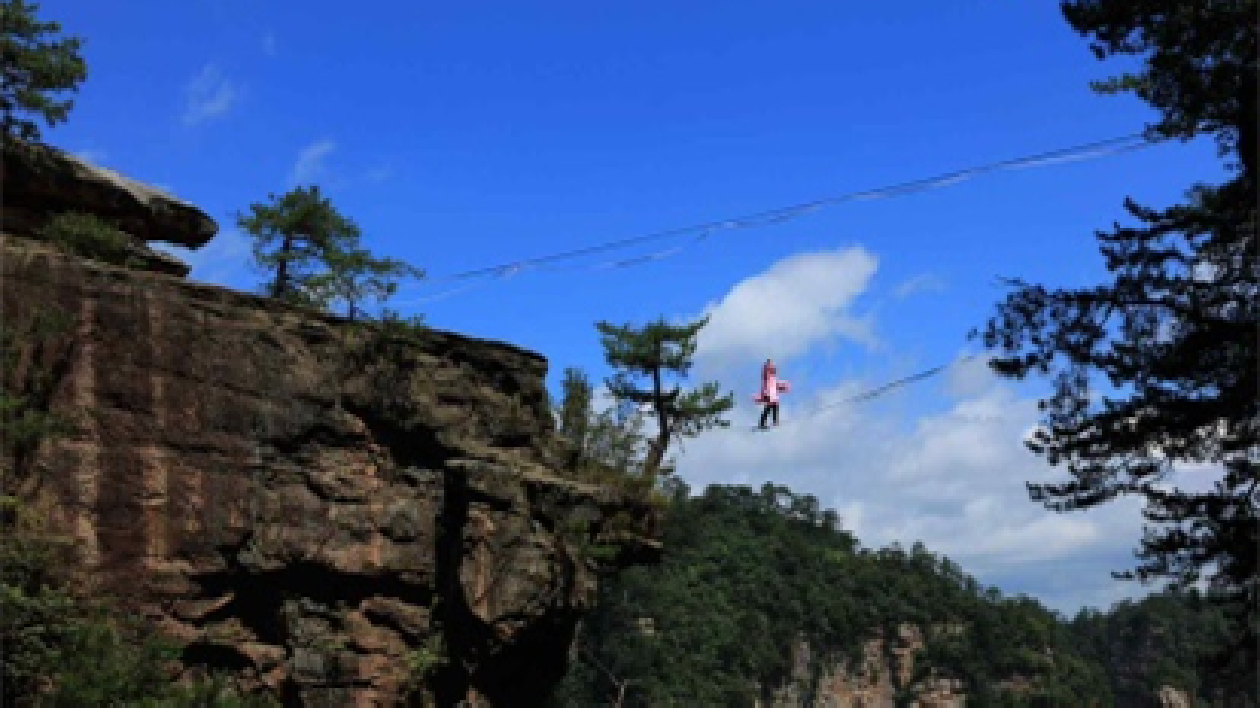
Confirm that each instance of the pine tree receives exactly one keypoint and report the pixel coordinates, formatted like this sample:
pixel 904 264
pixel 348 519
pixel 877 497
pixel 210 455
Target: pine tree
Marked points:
pixel 609 440
pixel 576 411
pixel 653 351
pixel 355 276
pixel 33 68
pixel 1176 332
pixel 293 236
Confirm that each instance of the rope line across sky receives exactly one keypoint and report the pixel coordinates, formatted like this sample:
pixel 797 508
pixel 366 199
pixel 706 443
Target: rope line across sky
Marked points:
pixel 700 232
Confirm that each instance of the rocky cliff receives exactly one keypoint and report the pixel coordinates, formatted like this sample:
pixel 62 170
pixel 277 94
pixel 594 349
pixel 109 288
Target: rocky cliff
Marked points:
pixel 335 515
pixel 873 681
pixel 39 181
pixel 884 676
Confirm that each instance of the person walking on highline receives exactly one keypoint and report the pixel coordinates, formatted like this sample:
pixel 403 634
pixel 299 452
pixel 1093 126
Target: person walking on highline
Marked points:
pixel 771 387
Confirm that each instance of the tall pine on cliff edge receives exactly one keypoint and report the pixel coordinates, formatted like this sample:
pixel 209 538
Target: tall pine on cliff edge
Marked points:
pixel 1175 332
pixel 653 352
pixel 34 67
pixel 293 236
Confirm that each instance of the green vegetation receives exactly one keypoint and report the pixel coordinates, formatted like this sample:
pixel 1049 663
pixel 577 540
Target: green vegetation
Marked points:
pixel 34 356
pixel 1175 332
pixel 654 351
pixel 1163 640
pixel 88 236
pixel 34 66
pixel 422 663
pixel 313 256
pixel 354 276
pixel 607 446
pixel 748 574
pixel 610 445
pixel 293 235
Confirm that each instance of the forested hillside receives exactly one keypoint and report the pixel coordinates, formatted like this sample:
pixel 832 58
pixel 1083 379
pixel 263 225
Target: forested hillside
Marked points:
pixel 750 577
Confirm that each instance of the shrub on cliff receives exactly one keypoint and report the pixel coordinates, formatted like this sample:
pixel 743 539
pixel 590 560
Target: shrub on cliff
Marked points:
pixel 62 648
pixel 88 236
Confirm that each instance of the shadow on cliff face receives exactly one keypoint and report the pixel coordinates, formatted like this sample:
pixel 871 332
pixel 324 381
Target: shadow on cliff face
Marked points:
pixel 518 673
pixel 267 604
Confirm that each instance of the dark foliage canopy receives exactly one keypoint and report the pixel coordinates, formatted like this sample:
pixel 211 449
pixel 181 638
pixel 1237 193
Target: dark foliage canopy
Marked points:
pixel 35 66
pixel 1173 338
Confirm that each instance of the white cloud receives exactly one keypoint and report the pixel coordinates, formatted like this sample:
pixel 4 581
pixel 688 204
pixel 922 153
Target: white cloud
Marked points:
pixel 269 44
pixel 970 378
pixel 952 478
pixel 309 166
pixel 954 481
pixel 919 283
pixel 209 94
pixel 800 302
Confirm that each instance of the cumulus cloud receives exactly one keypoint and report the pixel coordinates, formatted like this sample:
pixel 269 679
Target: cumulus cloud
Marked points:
pixel 970 377
pixel 309 166
pixel 953 477
pixel 955 480
pixel 209 95
pixel 800 302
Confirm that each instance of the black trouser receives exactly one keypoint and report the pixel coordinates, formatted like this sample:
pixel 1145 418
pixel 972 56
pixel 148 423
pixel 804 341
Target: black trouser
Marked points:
pixel 770 407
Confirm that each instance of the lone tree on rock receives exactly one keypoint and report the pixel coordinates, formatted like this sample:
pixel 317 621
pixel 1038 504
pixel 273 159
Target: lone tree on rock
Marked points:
pixel 34 67
pixel 313 256
pixel 293 236
pixel 652 352
pixel 1176 331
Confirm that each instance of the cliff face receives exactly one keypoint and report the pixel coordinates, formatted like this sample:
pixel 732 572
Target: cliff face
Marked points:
pixel 885 664
pixel 886 671
pixel 330 514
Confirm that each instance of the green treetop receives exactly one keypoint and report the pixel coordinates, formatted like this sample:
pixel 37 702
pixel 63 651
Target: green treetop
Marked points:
pixel 34 66
pixel 1175 331
pixel 293 236
pixel 652 352
pixel 355 276
pixel 604 441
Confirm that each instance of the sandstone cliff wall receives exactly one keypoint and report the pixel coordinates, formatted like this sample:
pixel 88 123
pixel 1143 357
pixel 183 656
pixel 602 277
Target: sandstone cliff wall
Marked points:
pixel 888 661
pixel 328 516
pixel 884 664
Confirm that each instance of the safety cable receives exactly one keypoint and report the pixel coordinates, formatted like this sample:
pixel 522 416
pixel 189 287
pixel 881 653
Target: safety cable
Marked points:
pixel 700 232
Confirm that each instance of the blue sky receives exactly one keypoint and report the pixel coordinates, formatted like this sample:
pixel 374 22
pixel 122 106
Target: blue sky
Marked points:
pixel 466 135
